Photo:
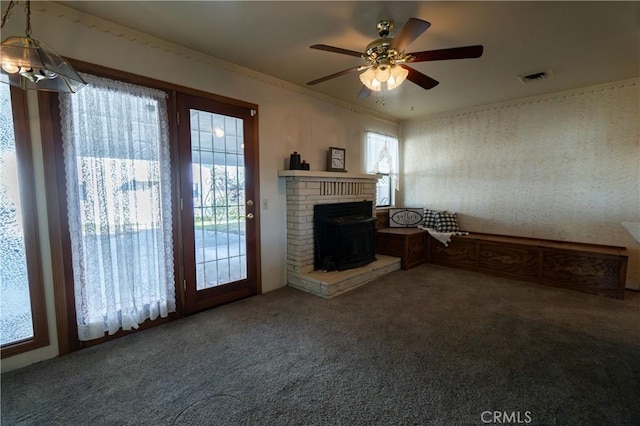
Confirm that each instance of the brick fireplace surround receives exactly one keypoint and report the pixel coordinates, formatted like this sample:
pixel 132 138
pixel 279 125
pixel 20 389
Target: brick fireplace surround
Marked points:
pixel 304 190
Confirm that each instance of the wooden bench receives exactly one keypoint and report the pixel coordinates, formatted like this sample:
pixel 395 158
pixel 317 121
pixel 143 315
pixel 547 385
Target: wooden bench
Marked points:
pixel 589 268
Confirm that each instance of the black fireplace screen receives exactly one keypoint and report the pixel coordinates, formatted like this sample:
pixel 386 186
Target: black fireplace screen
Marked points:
pixel 344 235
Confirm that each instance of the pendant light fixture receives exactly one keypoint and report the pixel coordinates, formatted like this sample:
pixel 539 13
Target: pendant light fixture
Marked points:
pixel 31 65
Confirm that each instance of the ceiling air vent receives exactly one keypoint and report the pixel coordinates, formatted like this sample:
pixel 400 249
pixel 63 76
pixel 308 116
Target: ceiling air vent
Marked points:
pixel 541 75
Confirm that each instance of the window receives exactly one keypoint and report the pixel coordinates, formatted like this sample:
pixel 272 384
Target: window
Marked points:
pixel 116 159
pixel 113 169
pixel 381 158
pixel 23 324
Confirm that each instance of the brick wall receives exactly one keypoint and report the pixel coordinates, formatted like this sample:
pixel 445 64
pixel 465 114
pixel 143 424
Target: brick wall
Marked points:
pixel 305 191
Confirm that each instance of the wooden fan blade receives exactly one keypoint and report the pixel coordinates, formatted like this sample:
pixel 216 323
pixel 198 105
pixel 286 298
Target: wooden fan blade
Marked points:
pixel 409 32
pixel 452 53
pixel 420 79
pixel 364 92
pixel 329 77
pixel 337 50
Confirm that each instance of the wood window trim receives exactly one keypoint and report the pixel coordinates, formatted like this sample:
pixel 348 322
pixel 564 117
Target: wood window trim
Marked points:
pixel 59 240
pixel 55 183
pixel 31 235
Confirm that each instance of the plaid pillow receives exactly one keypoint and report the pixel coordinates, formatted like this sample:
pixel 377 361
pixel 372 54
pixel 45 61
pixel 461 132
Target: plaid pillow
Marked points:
pixel 446 222
pixel 429 218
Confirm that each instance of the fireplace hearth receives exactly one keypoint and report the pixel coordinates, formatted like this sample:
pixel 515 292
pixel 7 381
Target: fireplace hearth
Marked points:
pixel 344 235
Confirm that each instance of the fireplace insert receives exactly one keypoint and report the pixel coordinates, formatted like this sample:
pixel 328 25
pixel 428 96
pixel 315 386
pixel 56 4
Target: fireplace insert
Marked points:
pixel 344 235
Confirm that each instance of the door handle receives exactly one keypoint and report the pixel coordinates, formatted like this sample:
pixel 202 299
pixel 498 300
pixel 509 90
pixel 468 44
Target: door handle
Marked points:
pixel 249 215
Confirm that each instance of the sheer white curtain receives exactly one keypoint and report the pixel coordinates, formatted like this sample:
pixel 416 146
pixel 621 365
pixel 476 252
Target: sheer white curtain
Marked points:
pixel 116 153
pixel 381 157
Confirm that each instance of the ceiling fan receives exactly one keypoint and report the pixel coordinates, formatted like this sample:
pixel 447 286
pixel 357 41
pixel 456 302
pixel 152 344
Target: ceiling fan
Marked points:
pixel 386 58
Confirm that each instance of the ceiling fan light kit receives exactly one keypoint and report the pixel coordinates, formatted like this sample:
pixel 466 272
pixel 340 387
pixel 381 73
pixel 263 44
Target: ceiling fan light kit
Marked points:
pixel 393 75
pixel 32 65
pixel 386 59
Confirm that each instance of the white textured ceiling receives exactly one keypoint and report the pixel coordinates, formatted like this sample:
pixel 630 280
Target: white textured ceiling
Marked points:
pixel 583 43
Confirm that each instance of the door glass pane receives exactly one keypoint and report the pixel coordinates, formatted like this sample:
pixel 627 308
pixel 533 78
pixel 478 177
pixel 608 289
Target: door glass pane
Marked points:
pixel 16 322
pixel 218 198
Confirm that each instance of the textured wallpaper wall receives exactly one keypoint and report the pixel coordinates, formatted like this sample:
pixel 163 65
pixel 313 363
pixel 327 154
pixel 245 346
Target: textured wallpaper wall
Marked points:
pixel 563 166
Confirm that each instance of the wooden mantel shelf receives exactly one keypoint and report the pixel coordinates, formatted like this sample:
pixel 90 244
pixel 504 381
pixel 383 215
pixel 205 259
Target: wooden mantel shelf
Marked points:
pixel 322 174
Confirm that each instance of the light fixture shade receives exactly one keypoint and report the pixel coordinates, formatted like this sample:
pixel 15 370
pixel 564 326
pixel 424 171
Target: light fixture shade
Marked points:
pixel 383 72
pixel 398 75
pixel 368 78
pixel 30 64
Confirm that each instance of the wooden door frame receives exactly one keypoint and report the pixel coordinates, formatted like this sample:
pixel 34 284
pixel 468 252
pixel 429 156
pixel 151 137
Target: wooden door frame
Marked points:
pixel 193 303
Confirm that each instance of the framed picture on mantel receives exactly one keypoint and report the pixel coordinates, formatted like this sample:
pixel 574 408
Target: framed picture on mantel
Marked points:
pixel 336 159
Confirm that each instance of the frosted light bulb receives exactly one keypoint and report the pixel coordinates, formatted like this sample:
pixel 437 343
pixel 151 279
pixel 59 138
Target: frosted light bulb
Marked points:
pixel 10 68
